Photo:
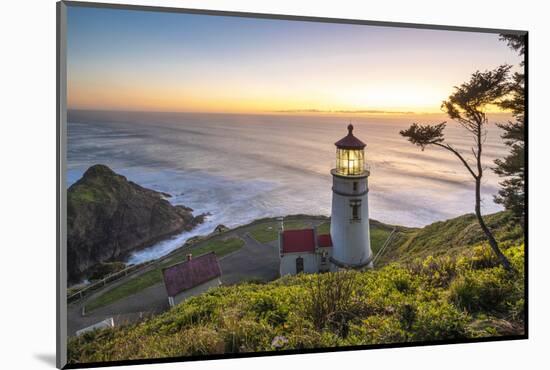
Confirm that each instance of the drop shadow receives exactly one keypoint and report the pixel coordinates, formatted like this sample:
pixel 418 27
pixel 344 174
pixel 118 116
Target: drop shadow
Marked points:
pixel 46 358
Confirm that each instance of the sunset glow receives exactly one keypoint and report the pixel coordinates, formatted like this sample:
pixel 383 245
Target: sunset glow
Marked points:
pixel 204 63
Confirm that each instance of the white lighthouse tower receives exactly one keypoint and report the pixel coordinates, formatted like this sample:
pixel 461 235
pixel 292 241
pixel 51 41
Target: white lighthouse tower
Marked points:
pixel 349 227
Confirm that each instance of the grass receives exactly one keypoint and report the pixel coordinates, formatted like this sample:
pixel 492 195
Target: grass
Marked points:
pixel 221 247
pixel 451 237
pixel 265 233
pixel 377 238
pixel 434 299
pixel 324 228
pixel 133 286
pixel 85 193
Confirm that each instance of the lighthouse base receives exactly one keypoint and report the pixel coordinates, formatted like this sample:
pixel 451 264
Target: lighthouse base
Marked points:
pixel 338 265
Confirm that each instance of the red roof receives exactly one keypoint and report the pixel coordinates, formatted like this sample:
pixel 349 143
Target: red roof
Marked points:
pixel 350 141
pixel 298 241
pixel 189 274
pixel 324 241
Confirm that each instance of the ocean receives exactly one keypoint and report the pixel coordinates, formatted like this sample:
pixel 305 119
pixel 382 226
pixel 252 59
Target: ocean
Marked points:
pixel 241 167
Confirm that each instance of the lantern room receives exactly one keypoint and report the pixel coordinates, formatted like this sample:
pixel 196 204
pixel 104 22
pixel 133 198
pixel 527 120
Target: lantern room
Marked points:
pixel 350 155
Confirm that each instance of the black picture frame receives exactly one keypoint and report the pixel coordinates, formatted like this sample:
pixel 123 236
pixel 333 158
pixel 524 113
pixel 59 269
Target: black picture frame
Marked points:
pixel 61 116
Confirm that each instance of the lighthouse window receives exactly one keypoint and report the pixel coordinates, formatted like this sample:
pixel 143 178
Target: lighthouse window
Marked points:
pixel 355 186
pixel 350 161
pixel 355 205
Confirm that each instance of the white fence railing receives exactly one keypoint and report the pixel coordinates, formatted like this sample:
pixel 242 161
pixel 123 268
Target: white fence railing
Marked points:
pixel 384 246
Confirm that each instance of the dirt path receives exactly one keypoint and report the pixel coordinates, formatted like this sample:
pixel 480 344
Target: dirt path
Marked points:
pixel 254 261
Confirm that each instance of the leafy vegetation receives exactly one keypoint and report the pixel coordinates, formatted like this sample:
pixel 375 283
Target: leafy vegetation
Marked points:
pixel 85 193
pixel 467 106
pixel 424 296
pixel 324 228
pixel 104 269
pixel 512 167
pixel 451 237
pixel 263 232
pixel 96 188
pixel 220 246
pixel 391 305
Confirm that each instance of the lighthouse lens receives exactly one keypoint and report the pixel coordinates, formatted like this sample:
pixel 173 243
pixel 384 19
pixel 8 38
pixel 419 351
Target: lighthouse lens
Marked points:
pixel 350 161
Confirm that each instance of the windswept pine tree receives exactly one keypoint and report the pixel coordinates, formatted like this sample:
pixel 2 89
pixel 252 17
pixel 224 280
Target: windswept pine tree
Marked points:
pixel 512 167
pixel 467 106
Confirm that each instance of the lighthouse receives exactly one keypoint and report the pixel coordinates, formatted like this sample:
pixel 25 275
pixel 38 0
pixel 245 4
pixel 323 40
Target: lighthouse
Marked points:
pixel 348 244
pixel 349 227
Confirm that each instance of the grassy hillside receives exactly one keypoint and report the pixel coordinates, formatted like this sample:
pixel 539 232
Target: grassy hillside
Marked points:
pixel 449 237
pixel 427 295
pixel 268 232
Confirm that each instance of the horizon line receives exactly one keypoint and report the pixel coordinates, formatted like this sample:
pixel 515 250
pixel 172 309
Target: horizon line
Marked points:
pixel 267 112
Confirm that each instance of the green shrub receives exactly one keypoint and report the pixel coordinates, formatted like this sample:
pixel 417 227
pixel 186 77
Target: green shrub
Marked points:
pixel 436 298
pixel 478 257
pixel 241 333
pixel 407 316
pixel 377 330
pixel 329 297
pixel 437 271
pixel 270 307
pixel 438 320
pixel 183 316
pixel 482 290
pixel 104 269
pixel 206 340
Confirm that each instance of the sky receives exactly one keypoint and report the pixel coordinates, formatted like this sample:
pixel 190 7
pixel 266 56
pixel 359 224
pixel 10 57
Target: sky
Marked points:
pixel 154 61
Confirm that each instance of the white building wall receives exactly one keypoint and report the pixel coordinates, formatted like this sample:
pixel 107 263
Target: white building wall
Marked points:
pixel 350 239
pixel 288 263
pixel 327 266
pixel 194 291
pixel 312 261
pixel 327 250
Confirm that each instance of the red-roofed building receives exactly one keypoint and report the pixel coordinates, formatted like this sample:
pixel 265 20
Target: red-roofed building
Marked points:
pixel 304 251
pixel 191 277
pixel 297 241
pixel 324 241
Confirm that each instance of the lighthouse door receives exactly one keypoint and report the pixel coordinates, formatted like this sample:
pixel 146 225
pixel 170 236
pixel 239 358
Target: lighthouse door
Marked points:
pixel 299 265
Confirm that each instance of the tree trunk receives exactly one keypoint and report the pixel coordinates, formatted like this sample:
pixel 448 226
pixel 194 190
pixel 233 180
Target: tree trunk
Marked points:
pixel 492 242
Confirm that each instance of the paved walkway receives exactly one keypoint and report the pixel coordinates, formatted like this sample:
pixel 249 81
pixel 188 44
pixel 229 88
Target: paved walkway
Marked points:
pixel 254 261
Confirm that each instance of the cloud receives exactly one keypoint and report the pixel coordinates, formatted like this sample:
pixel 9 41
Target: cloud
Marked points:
pixel 360 111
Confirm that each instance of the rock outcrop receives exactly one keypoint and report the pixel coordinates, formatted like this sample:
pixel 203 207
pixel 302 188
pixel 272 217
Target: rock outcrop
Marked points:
pixel 108 217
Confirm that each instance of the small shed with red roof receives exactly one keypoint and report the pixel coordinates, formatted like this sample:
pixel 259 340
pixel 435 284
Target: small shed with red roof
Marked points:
pixel 191 277
pixel 304 251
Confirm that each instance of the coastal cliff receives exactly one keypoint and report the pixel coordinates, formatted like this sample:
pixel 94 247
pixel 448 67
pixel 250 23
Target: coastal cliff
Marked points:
pixel 108 217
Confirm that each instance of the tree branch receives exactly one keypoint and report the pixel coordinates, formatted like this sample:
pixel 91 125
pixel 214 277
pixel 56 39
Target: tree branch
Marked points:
pixel 455 152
